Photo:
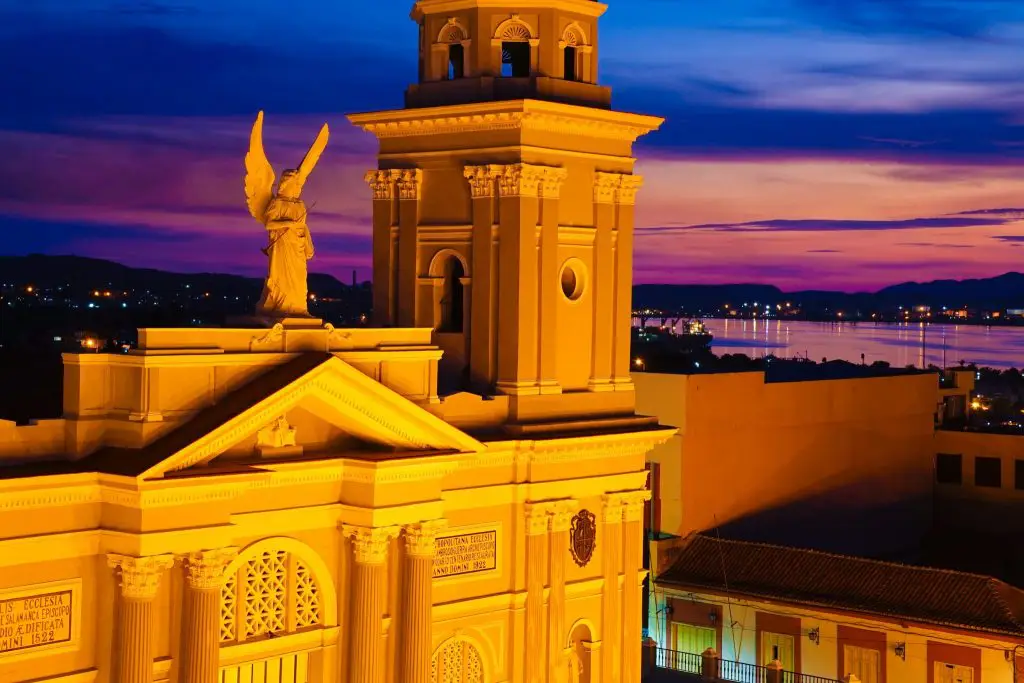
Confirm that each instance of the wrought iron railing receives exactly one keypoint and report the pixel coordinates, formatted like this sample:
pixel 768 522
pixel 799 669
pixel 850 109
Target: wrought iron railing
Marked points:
pixel 716 669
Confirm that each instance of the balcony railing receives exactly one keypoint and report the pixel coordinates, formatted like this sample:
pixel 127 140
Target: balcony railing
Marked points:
pixel 715 669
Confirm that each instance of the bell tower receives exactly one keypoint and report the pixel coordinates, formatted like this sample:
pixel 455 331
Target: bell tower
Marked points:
pixel 503 206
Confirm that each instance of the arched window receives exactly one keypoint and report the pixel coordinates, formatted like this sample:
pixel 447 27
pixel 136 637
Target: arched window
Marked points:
pixel 452 297
pixel 515 40
pixel 457 662
pixel 570 63
pixel 456 61
pixel 272 593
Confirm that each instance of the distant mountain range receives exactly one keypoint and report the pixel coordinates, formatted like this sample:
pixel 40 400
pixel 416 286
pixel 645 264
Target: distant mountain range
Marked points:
pixel 83 274
pixel 1003 291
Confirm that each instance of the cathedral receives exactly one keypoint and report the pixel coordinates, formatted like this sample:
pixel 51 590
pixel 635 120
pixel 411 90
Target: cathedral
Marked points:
pixel 455 495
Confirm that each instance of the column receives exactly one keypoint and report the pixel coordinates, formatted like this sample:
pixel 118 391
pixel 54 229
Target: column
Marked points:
pixel 201 623
pixel 611 531
pixel 632 561
pixel 483 304
pixel 139 581
pixel 410 186
pixel 417 638
pixel 605 186
pixel 628 187
pixel 536 540
pixel 561 520
pixel 384 257
pixel 370 549
pixel 550 284
pixel 517 279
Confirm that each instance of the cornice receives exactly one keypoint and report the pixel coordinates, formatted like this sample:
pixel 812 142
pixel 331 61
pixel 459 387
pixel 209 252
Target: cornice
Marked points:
pixel 533 115
pixel 587 8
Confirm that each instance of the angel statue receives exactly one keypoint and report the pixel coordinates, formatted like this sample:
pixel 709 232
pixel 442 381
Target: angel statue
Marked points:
pixel 284 216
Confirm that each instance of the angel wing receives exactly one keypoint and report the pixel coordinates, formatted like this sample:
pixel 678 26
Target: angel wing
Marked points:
pixel 259 174
pixel 313 155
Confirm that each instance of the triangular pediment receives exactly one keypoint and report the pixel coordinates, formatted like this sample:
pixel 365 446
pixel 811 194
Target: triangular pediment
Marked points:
pixel 320 391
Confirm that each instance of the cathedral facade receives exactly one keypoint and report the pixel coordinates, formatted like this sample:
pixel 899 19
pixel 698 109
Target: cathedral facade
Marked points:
pixel 456 495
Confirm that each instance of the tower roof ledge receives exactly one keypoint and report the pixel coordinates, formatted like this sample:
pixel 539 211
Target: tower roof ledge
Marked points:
pixel 506 114
pixel 590 8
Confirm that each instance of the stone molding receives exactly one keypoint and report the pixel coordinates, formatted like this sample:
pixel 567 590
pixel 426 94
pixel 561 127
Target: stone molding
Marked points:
pixel 140 576
pixel 205 568
pixel 518 120
pixel 370 544
pixel 382 182
pixel 421 538
pixel 410 183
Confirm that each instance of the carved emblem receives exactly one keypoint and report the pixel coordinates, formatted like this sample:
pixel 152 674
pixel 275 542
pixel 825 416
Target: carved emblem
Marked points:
pixel 583 537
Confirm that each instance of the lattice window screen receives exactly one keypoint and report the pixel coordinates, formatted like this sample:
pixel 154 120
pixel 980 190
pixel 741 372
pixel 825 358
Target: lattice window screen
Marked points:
pixel 228 608
pixel 458 662
pixel 272 593
pixel 307 597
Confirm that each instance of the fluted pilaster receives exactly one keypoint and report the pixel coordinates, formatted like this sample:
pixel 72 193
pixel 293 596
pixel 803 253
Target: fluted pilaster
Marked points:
pixel 139 582
pixel 418 599
pixel 536 540
pixel 560 521
pixel 611 522
pixel 632 560
pixel 370 549
pixel 204 573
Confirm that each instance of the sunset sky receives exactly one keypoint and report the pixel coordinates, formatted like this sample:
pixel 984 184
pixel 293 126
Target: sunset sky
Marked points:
pixel 844 144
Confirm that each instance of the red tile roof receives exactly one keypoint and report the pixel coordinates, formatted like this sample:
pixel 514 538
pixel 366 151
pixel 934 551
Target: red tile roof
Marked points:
pixel 824 580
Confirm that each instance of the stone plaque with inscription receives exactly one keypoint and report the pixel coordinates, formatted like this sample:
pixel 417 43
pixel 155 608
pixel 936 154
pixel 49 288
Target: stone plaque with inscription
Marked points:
pixel 40 618
pixel 466 554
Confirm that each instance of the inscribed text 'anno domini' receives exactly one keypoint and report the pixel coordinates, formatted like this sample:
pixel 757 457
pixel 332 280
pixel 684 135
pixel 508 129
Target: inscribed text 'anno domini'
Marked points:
pixel 466 554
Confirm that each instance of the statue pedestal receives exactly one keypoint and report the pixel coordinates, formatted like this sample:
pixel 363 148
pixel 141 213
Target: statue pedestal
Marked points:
pixel 267 322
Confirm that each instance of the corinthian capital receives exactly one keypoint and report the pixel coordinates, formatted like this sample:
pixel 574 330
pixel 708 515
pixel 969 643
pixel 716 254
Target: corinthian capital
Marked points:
pixel 633 505
pixel 537 518
pixel 421 539
pixel 562 514
pixel 481 179
pixel 605 187
pixel 370 545
pixel 140 576
pixel 382 183
pixel 551 179
pixel 628 187
pixel 410 183
pixel 205 569
pixel 520 180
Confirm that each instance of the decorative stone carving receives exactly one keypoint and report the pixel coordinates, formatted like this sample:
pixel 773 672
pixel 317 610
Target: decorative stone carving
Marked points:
pixel 382 183
pixel 633 505
pixel 583 537
pixel 628 187
pixel 205 569
pixel 605 187
pixel 140 576
pixel 561 517
pixel 370 545
pixel 410 183
pixel 536 518
pixel 520 180
pixel 421 539
pixel 277 434
pixel 611 508
pixel 481 179
pixel 551 181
